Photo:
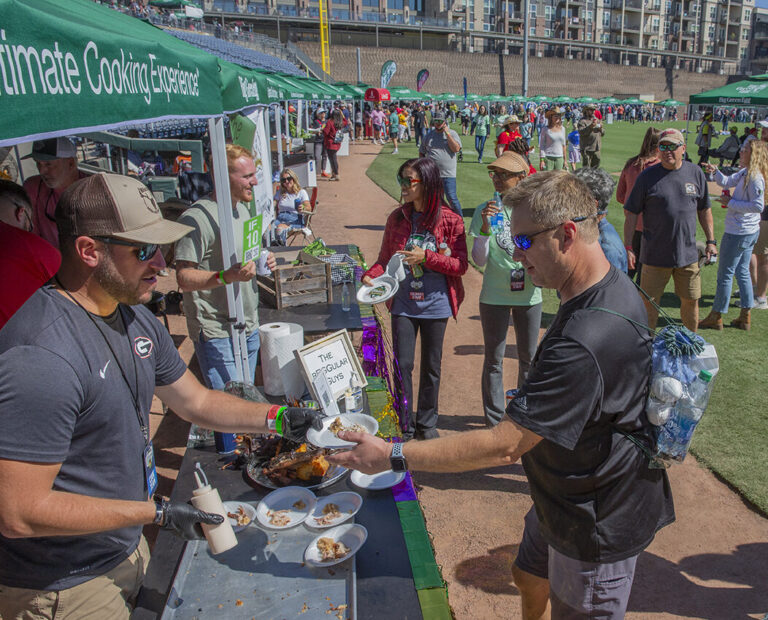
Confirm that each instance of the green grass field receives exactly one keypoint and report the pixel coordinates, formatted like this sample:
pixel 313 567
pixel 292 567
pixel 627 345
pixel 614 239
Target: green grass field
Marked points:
pixel 730 438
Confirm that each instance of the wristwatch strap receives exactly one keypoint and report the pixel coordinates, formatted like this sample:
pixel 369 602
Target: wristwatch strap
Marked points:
pixel 397 459
pixel 159 510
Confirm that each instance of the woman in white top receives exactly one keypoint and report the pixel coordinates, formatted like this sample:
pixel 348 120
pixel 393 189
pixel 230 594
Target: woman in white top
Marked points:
pixel 552 142
pixel 742 227
pixel 290 201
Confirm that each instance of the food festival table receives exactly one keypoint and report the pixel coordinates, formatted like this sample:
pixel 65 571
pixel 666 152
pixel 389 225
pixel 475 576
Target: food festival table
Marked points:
pixel 383 571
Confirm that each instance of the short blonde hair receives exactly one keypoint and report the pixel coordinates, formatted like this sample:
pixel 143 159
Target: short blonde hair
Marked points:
pixel 235 152
pixel 554 197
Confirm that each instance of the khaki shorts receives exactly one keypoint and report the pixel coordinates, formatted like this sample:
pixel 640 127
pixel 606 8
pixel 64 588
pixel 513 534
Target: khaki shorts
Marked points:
pixel 111 596
pixel 687 281
pixel 761 247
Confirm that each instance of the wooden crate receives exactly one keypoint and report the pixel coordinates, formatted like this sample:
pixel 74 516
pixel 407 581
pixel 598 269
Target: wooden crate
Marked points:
pixel 296 285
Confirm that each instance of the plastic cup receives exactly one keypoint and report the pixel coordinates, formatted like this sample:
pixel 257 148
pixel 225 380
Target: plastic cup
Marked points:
pixel 225 442
pixel 263 269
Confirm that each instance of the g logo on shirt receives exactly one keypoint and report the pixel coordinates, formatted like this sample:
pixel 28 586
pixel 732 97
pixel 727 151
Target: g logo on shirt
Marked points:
pixel 690 189
pixel 142 346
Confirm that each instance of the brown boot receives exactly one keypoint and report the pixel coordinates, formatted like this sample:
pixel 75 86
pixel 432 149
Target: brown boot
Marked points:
pixel 714 320
pixel 744 321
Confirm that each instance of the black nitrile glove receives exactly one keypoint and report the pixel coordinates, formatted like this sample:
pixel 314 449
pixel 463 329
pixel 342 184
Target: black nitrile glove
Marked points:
pixel 184 520
pixel 293 422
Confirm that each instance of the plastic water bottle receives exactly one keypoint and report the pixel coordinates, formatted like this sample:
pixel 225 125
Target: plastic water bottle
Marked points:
pixel 346 298
pixel 675 436
pixel 497 220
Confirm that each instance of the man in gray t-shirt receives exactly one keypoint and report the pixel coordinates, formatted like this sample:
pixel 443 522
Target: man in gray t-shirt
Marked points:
pixel 671 196
pixel 201 275
pixel 441 145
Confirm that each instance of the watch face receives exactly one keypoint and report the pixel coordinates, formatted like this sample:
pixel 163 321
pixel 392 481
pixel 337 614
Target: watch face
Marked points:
pixel 398 464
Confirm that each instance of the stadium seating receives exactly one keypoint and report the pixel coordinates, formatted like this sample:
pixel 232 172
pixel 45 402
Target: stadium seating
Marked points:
pixel 239 54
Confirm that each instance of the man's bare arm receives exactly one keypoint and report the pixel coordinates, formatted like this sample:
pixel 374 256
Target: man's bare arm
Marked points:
pixel 503 444
pixel 31 507
pixel 190 278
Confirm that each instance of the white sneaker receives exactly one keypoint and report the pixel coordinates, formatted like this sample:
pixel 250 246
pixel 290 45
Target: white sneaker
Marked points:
pixel 394 152
pixel 760 304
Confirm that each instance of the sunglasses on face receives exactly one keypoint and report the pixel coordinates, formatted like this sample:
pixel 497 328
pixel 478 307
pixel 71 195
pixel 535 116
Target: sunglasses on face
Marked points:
pixel 145 251
pixel 669 147
pixel 286 180
pixel 406 182
pixel 503 175
pixel 524 242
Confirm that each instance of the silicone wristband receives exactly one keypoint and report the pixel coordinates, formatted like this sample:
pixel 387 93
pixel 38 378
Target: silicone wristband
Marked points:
pixel 221 277
pixel 485 234
pixel 628 247
pixel 275 419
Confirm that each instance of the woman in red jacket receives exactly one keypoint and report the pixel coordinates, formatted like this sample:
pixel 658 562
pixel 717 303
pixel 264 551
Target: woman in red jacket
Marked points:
pixel 333 134
pixel 430 237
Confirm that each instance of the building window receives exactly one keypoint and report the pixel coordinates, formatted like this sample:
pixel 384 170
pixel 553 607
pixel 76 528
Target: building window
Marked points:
pixel 745 34
pixel 589 16
pixel 396 5
pixel 747 14
pixel 532 31
pixel 371 3
pixel 532 10
pixel 547 12
pixel 666 27
pixel 668 6
pixel 606 19
pixel 589 36
pixel 712 13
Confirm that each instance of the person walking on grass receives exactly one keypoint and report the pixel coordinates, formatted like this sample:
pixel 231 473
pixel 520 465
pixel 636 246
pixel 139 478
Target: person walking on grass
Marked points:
pixel 394 126
pixel 552 142
pixel 482 125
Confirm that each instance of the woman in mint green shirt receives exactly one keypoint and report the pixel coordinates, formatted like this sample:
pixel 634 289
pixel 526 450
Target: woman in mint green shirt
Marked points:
pixel 506 289
pixel 483 122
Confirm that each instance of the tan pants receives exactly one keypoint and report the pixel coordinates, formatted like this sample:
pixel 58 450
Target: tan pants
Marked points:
pixel 110 596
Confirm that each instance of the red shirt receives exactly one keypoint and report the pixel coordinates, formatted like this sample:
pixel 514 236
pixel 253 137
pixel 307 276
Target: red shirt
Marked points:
pixel 506 137
pixel 44 201
pixel 26 263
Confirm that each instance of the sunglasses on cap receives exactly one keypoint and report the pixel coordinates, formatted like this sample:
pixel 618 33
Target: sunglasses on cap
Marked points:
pixel 524 242
pixel 145 250
pixel 669 147
pixel 406 182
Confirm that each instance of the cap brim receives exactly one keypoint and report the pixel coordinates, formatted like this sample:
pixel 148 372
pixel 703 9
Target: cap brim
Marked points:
pixel 161 232
pixel 40 157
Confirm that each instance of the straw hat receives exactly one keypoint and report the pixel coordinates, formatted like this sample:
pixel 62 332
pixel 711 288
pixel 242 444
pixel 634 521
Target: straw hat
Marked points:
pixel 555 110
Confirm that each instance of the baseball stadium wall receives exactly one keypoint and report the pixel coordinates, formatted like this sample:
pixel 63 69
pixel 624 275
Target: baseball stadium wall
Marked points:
pixel 494 73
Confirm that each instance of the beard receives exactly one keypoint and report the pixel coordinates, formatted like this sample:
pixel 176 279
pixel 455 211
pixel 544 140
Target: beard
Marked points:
pixel 116 286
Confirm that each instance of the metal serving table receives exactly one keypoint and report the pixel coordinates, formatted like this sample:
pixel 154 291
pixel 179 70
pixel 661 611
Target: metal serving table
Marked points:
pixel 382 570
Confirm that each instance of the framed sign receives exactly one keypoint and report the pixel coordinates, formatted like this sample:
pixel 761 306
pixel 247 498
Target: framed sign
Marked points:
pixel 336 357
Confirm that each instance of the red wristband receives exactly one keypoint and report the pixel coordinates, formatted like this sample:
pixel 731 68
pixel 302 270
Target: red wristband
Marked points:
pixel 275 419
pixel 628 247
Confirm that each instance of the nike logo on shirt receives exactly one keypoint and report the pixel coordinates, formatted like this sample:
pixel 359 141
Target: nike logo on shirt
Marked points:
pixel 103 371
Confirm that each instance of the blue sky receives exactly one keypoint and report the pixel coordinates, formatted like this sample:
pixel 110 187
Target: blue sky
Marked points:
pixel 761 3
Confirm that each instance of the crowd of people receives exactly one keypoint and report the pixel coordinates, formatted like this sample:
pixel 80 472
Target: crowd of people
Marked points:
pixel 83 260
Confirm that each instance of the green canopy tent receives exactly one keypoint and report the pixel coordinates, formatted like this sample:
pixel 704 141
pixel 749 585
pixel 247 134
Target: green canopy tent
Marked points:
pixel 670 103
pixel 539 99
pixel 404 93
pixel 611 100
pixel 111 69
pixel 752 92
pixel 633 101
pixel 562 99
pixel 585 100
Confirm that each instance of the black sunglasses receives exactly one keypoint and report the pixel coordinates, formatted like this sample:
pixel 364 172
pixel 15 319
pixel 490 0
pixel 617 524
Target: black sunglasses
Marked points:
pixel 145 250
pixel 670 147
pixel 284 179
pixel 524 242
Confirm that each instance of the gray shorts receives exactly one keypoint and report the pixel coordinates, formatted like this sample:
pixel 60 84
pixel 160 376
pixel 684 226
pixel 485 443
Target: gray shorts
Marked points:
pixel 577 589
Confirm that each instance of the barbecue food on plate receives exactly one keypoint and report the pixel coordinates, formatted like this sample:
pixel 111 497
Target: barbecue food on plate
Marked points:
pixel 331 512
pixel 337 426
pixel 305 464
pixel 278 517
pixel 240 516
pixel 331 550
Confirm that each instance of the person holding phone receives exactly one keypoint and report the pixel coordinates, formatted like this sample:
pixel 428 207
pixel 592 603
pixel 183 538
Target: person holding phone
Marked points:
pixel 441 144
pixel 430 237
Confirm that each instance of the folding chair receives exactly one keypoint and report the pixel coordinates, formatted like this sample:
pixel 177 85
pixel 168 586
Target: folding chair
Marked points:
pixel 306 215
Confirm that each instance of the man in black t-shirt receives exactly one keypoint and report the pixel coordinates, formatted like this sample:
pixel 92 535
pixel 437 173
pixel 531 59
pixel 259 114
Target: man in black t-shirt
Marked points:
pixel 671 196
pixel 597 504
pixel 79 364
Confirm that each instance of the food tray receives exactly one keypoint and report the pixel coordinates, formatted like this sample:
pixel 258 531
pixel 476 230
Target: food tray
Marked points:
pixel 335 472
pixel 263 577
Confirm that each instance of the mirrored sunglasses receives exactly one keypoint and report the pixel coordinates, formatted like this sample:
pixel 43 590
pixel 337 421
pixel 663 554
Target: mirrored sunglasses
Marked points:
pixel 145 251
pixel 406 182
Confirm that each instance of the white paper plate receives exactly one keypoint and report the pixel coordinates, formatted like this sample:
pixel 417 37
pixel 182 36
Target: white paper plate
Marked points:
pixel 385 288
pixel 351 534
pixel 233 507
pixel 347 501
pixel 324 438
pixel 284 499
pixel 375 482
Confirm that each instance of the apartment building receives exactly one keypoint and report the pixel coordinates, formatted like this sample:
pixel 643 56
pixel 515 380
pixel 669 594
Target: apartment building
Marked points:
pixel 632 32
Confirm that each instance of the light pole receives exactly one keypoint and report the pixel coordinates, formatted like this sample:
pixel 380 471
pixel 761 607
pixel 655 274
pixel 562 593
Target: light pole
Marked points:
pixel 525 48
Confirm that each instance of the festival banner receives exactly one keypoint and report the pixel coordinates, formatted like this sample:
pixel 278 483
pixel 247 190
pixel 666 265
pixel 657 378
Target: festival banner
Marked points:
pixel 421 79
pixel 387 71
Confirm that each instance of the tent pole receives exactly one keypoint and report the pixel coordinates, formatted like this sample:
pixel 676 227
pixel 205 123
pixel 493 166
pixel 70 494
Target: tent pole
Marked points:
pixel 279 131
pixel 226 227
pixel 687 122
pixel 287 127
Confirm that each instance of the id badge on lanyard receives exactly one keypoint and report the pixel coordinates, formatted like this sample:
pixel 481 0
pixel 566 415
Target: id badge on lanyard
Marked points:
pixel 516 280
pixel 150 471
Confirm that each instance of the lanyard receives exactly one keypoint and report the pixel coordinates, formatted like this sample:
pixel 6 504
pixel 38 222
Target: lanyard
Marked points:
pixel 133 390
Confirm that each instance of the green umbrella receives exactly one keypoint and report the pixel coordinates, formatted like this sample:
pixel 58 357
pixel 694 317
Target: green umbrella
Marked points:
pixel 633 101
pixel 540 99
pixel 563 99
pixel 585 100
pixel 670 103
pixel 608 100
pixel 518 98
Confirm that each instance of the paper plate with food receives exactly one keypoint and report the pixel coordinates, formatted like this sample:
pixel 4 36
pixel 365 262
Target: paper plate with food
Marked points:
pixel 328 435
pixel 334 509
pixel 240 514
pixel 275 462
pixel 381 289
pixel 335 545
pixel 285 508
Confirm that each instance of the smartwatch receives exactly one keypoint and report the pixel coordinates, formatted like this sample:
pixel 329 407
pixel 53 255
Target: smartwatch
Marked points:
pixel 396 458
pixel 159 510
pixel 711 241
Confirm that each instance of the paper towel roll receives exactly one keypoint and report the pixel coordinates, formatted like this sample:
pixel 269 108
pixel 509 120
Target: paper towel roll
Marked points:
pixel 281 372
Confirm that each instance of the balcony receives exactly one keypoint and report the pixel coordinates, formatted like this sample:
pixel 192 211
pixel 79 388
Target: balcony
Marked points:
pixel 651 29
pixel 652 7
